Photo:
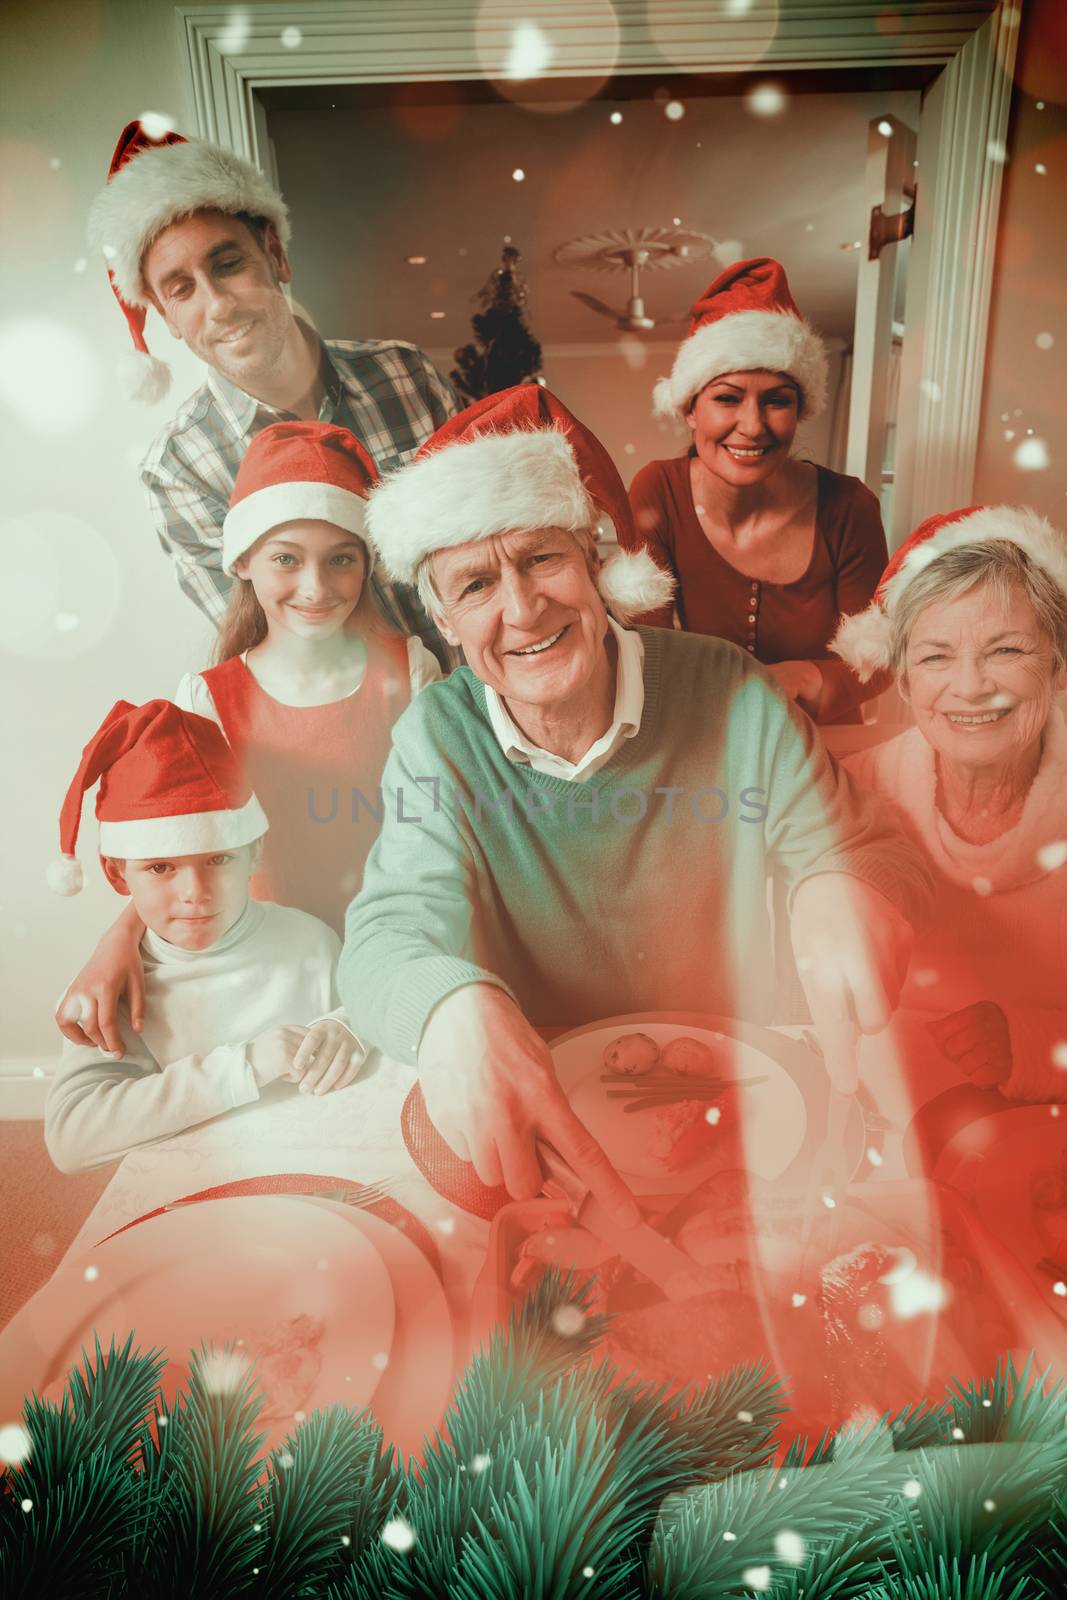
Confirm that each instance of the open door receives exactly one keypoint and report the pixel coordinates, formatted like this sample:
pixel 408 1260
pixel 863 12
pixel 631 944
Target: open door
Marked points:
pixel 879 327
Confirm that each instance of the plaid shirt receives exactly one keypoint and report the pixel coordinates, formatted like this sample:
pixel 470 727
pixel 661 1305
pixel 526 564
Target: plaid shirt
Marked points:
pixel 385 392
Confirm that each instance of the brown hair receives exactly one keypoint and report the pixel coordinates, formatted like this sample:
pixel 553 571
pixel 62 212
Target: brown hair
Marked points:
pixel 245 624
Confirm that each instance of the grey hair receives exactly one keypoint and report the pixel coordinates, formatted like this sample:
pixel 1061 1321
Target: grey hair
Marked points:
pixel 997 565
pixel 432 604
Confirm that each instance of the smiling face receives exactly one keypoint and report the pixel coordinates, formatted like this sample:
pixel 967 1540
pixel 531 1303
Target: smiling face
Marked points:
pixel 218 286
pixel 743 425
pixel 526 612
pixel 980 674
pixel 190 901
pixel 307 576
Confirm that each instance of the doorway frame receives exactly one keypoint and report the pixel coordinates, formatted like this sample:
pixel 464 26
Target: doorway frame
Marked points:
pixel 961 150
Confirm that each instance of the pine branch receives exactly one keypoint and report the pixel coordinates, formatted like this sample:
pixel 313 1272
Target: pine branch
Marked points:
pixel 109 1396
pixel 328 1490
pixel 928 1575
pixel 69 1544
pixel 205 1541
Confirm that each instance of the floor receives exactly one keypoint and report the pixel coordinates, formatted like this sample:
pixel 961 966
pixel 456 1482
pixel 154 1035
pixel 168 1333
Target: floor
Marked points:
pixel 42 1211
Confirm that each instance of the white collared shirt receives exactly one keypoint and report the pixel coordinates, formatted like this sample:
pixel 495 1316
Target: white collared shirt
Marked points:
pixel 629 705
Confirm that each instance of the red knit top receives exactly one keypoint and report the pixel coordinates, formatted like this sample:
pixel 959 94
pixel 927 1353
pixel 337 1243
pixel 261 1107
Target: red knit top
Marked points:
pixel 316 771
pixel 772 621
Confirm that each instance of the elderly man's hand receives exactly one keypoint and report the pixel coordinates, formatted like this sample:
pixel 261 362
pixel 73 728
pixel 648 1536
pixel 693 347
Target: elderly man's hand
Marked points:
pixel 978 1040
pixel 491 1092
pixel 852 948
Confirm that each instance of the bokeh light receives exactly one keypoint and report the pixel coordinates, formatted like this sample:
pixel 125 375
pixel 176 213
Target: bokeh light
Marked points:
pixel 1031 455
pixel 157 124
pixel 49 378
pixel 517 47
pixel 63 587
pixel 766 100
pixel 235 35
pixel 745 32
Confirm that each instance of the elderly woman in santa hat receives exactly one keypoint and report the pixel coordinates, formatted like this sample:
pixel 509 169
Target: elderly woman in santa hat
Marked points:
pixel 766 549
pixel 581 821
pixel 971 615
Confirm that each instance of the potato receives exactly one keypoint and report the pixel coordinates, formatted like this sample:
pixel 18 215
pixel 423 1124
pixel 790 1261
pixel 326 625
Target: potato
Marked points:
pixel 689 1058
pixel 632 1053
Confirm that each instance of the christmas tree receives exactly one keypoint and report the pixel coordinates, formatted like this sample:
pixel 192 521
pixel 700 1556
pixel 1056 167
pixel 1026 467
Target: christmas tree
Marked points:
pixel 503 351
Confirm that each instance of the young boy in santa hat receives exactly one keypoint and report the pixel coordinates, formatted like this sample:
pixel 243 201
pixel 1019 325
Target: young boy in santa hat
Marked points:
pixel 238 993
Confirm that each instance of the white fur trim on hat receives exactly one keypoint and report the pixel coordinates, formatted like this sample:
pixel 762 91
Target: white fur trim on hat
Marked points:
pixel 162 185
pixel 471 490
pixel 192 833
pixel 863 641
pixel 746 341
pixel 268 508
pixel 631 583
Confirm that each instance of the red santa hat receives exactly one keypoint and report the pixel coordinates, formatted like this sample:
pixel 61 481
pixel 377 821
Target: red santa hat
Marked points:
pixel 169 786
pixel 516 460
pixel 746 321
pixel 864 640
pixel 153 182
pixel 294 472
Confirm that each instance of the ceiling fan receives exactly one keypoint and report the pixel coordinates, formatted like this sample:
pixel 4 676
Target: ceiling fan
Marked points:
pixel 633 250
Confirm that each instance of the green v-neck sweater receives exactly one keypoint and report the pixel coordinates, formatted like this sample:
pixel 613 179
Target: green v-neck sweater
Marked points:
pixel 644 888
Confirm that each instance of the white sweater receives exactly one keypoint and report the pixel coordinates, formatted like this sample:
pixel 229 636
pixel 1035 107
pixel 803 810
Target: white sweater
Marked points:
pixel 999 930
pixel 202 1007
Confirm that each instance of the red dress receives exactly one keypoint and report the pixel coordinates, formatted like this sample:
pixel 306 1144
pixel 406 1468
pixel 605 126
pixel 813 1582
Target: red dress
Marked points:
pixel 317 772
pixel 772 621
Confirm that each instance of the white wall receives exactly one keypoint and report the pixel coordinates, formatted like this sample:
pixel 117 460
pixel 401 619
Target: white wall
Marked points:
pixel 89 610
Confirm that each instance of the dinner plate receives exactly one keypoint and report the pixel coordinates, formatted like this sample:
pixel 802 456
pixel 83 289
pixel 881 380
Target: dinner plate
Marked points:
pixel 416 1385
pixel 762 1126
pixel 303 1298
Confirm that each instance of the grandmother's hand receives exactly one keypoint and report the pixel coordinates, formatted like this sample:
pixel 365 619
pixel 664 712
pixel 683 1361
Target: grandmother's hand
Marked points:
pixel 852 948
pixel 978 1040
pixel 491 1092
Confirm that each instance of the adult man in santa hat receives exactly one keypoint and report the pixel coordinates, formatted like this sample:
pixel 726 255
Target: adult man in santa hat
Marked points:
pixel 587 813
pixel 198 234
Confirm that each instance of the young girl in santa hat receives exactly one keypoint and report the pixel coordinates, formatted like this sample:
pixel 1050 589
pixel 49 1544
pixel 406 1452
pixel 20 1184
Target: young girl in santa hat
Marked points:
pixel 307 683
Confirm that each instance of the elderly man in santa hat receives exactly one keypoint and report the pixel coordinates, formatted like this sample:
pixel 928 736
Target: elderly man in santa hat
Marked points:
pixel 581 821
pixel 200 235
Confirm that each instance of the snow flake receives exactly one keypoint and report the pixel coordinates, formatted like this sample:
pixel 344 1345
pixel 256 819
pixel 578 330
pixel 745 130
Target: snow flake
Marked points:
pixel 446 1224
pixel 15 1444
pixel 588 1572
pixel 989 1505
pixel 870 1317
pixel 744 1416
pixel 1045 341
pixel 1051 856
pixel 958 1434
pixel 345 1540
pixel 713 1114
pixel 729 1537
pixel 234 36
pixel 1009 435
pixel 292 38
pixel 756 1577
pixel 789 1546
pixel 874 1156
pixel 615 118
pixel 885 128
pixel 530 53
pixel 518 174
pixel 931 390
pixel 27 1505
pixel 380 1361
pixel 568 1321
pixel 800 1300
pixel 161 1419
pixel 918 1291
pixel 1059 1056
pixel 630 449
pixel 480 1462
pixel 997 151
pixel 257 1527
pixel 298 1416
pixel 766 100
pixel 285 1460
pixel 91 1274
pixel 912 1488
pixel 1059 1287
pixel 981 886
pixel 1031 455
pixel 674 111
pixel 1041 169
pixel 829 1202
pixel 223 1371
pixel 398 1535
pixel 987 1403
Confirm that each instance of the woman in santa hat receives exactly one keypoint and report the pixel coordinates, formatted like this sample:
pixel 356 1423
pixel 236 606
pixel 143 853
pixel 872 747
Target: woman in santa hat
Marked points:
pixel 767 550
pixel 971 616
pixel 307 684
